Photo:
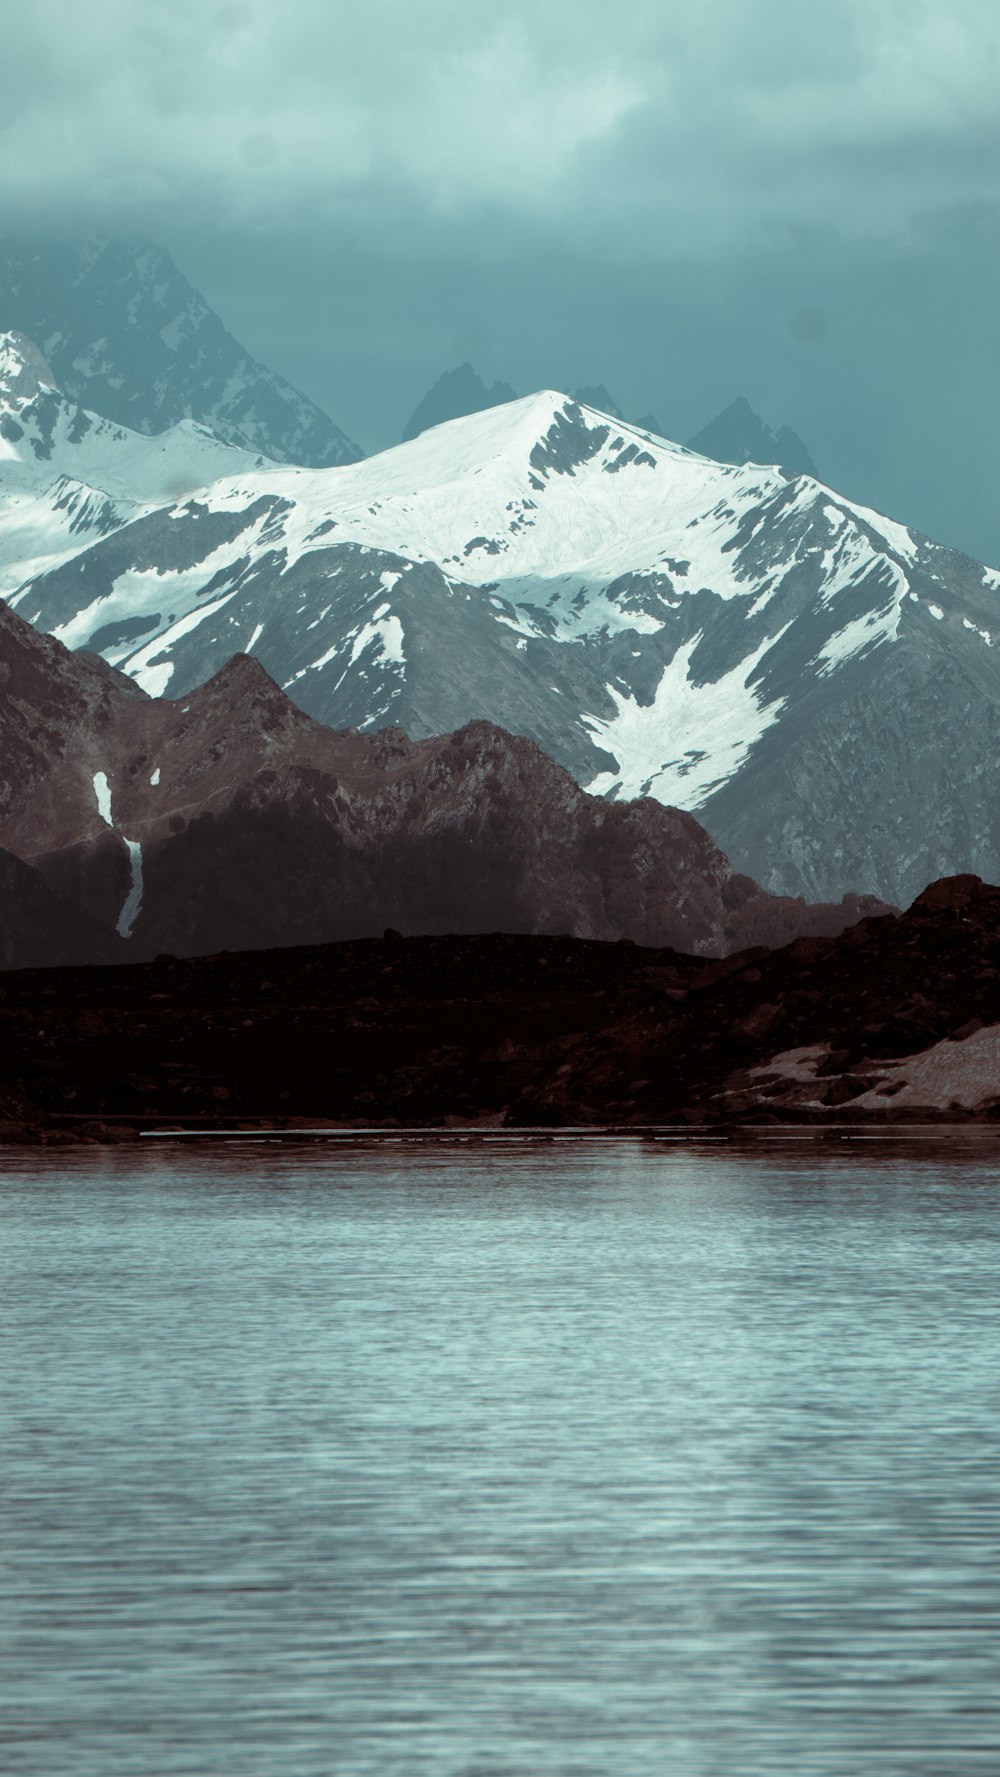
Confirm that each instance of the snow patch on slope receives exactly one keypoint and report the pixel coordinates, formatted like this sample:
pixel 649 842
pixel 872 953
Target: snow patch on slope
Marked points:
pixel 103 795
pixel 652 742
pixel 133 900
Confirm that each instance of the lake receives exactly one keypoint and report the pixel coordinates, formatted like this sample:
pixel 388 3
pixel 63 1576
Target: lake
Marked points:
pixel 502 1459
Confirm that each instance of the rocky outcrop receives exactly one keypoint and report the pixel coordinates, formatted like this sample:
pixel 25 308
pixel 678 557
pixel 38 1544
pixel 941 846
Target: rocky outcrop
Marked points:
pixel 896 1018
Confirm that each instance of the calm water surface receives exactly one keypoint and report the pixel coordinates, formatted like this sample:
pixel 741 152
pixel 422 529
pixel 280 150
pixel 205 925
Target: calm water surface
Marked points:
pixel 501 1461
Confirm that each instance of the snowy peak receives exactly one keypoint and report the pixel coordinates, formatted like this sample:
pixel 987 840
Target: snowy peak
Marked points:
pixel 131 340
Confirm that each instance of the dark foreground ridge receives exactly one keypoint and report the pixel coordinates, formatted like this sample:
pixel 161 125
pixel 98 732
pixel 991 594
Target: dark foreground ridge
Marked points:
pixel 898 1018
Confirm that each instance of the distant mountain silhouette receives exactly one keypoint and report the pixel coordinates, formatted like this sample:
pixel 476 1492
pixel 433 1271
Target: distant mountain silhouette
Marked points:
pixel 738 435
pixel 596 395
pixel 456 393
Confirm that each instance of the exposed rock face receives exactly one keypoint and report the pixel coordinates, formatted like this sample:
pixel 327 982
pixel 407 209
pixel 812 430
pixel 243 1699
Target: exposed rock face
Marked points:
pixel 130 339
pixel 897 1019
pixel 738 435
pixel 235 820
pixel 819 685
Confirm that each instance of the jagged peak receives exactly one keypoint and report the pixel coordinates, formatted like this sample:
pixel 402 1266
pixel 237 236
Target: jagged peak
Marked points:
pixel 242 671
pixel 243 682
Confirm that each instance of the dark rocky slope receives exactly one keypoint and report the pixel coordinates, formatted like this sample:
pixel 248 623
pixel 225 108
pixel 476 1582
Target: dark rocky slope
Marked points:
pixel 40 929
pixel 897 1018
pixel 234 820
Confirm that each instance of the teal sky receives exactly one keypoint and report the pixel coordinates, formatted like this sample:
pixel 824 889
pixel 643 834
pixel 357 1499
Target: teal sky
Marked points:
pixel 686 203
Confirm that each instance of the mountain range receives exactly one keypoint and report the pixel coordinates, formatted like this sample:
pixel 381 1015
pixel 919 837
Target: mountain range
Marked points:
pixel 131 825
pixel 813 680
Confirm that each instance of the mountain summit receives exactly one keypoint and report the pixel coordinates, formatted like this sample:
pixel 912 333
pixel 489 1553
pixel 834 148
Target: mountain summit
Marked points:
pixel 131 340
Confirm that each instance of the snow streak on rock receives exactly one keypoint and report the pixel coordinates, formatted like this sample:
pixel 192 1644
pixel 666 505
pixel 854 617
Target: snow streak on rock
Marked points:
pixel 133 900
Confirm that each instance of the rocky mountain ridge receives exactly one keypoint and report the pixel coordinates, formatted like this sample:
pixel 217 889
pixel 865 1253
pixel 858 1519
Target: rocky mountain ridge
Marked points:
pixel 68 477
pixel 233 820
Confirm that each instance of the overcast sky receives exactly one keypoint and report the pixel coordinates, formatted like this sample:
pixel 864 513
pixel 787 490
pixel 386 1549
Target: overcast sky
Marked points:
pixel 791 201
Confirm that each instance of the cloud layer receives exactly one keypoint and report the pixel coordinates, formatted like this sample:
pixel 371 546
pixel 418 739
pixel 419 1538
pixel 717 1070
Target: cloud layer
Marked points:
pixel 685 201
pixel 653 114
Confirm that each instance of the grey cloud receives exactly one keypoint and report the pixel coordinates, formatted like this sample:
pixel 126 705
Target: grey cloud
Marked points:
pixel 685 202
pixel 692 113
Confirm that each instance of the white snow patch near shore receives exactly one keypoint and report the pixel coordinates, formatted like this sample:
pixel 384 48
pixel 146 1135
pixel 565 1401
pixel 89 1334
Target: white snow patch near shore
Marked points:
pixel 154 780
pixel 795 1064
pixel 690 739
pixel 949 1073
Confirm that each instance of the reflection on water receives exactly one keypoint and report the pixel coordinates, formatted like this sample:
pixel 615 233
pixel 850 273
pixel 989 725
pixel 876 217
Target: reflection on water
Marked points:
pixel 502 1461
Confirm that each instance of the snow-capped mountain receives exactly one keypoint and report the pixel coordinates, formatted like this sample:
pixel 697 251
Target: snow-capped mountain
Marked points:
pixel 68 476
pixel 129 338
pixel 818 683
